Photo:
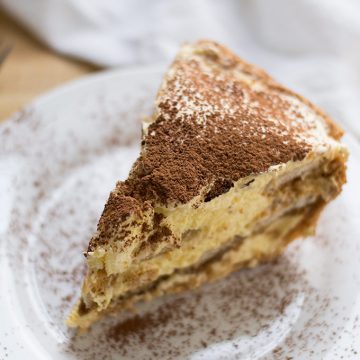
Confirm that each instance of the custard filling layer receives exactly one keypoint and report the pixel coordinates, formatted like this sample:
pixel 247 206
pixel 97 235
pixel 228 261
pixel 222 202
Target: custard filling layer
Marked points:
pixel 251 205
pixel 242 253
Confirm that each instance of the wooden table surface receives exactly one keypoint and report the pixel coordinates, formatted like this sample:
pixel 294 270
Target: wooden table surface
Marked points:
pixel 31 68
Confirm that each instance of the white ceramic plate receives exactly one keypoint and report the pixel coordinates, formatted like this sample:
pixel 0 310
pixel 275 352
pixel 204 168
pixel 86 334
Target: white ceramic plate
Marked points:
pixel 60 157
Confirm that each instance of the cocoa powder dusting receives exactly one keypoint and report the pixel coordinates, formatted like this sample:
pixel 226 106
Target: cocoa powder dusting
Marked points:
pixel 212 128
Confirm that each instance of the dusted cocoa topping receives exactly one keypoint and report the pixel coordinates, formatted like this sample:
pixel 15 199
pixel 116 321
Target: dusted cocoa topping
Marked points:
pixel 119 205
pixel 219 187
pixel 160 231
pixel 217 120
pixel 117 210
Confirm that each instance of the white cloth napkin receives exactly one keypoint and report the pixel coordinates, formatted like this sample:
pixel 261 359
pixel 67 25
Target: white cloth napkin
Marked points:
pixel 310 45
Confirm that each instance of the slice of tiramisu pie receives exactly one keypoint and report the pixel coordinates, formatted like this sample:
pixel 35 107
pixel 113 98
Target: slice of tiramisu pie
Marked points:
pixel 233 167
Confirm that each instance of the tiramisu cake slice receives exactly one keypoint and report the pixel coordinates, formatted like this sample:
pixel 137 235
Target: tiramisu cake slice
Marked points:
pixel 233 167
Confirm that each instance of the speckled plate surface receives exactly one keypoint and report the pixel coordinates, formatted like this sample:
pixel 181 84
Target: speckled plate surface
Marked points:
pixel 60 157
